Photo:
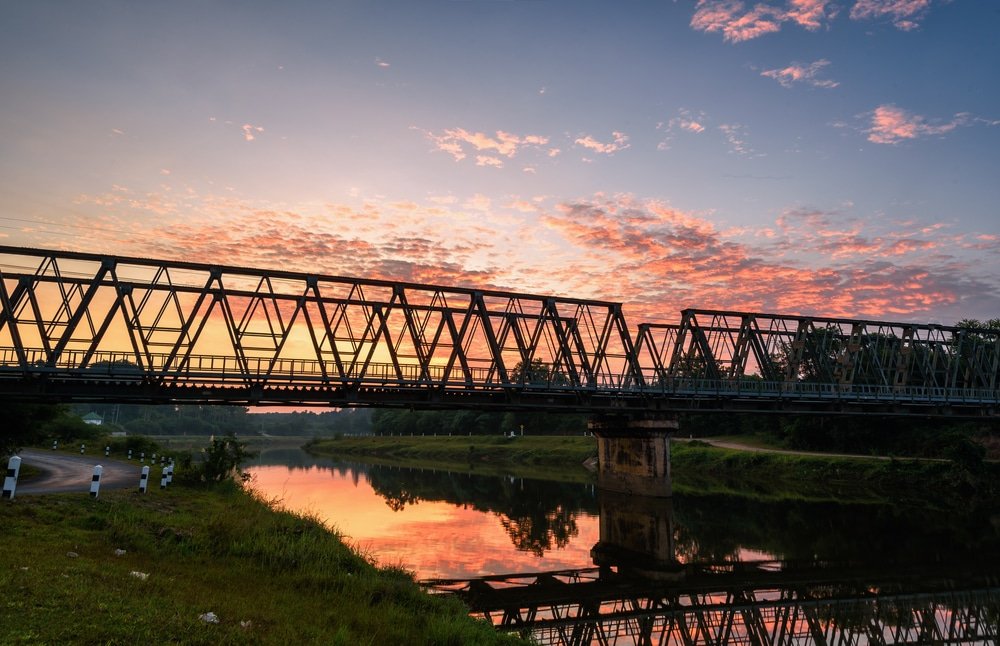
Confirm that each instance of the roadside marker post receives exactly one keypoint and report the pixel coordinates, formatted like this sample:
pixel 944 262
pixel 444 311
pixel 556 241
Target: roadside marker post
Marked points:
pixel 10 482
pixel 163 478
pixel 144 480
pixel 95 481
pixel 107 451
pixel 130 454
pixel 55 444
pixel 170 472
pixel 82 447
pixel 142 457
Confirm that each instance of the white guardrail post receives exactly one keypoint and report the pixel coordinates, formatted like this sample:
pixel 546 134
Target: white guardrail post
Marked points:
pixel 10 482
pixel 95 481
pixel 144 479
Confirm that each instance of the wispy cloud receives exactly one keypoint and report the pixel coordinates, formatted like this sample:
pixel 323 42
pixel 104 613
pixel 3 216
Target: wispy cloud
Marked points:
pixel 459 142
pixel 738 22
pixel 250 131
pixel 620 143
pixel 904 14
pixel 735 134
pixel 891 125
pixel 800 73
pixel 685 121
pixel 381 63
pixel 488 160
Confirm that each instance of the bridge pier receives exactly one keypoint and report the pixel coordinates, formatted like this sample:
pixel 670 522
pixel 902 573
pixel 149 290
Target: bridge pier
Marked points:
pixel 637 537
pixel 633 453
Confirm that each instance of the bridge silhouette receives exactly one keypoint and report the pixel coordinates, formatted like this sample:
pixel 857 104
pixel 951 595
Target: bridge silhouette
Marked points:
pixel 739 603
pixel 88 327
pixel 641 592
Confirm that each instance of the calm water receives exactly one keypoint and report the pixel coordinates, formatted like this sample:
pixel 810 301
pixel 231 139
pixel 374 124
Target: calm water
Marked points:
pixel 666 570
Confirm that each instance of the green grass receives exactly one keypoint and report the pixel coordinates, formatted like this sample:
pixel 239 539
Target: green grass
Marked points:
pixel 563 451
pixel 269 576
pixel 697 468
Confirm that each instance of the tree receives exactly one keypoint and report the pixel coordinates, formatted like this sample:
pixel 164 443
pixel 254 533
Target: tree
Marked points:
pixel 223 460
pixel 25 424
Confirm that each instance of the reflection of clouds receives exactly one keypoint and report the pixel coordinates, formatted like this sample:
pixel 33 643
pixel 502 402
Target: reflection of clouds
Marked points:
pixel 432 539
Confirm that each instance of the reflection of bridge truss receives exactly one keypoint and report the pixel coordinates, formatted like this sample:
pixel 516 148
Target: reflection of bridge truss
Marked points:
pixel 585 607
pixel 84 326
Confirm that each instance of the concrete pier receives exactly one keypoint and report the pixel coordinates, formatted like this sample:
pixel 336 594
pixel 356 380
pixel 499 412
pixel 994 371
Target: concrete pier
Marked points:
pixel 633 453
pixel 637 537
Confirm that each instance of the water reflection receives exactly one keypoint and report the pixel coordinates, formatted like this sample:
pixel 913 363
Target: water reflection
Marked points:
pixel 597 567
pixel 435 523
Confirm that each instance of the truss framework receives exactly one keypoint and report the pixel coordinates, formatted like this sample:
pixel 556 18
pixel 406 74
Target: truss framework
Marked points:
pixel 576 607
pixel 86 326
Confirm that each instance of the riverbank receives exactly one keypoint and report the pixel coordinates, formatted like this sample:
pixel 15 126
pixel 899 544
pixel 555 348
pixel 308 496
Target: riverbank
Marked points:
pixel 696 467
pixel 131 568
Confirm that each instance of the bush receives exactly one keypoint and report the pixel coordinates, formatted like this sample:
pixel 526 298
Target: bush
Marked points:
pixel 222 461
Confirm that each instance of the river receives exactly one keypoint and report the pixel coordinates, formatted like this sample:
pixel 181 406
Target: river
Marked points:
pixel 571 564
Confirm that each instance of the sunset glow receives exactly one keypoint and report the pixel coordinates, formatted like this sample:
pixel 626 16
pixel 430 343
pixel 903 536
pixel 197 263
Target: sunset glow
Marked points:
pixel 433 539
pixel 792 156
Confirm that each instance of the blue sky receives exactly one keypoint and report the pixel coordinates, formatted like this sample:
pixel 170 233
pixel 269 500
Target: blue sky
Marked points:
pixel 796 156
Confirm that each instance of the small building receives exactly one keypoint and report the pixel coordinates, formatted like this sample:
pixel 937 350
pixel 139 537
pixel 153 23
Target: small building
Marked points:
pixel 93 418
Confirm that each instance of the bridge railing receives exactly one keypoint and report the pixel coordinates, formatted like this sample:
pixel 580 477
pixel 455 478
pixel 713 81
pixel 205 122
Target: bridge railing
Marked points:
pixel 228 371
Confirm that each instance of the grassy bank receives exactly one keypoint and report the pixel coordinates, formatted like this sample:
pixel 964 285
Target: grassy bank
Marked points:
pixel 269 576
pixel 696 467
pixel 542 452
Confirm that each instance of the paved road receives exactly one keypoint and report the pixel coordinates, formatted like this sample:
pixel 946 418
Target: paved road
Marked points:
pixel 64 473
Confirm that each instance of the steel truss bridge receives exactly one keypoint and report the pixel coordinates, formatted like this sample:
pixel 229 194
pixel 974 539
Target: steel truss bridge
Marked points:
pixel 87 327
pixel 734 604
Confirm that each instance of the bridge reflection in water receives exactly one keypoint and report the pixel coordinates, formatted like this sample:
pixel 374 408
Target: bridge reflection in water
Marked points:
pixel 638 592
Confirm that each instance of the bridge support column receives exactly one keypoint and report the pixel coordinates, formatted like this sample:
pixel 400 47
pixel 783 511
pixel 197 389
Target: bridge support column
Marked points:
pixel 633 453
pixel 637 537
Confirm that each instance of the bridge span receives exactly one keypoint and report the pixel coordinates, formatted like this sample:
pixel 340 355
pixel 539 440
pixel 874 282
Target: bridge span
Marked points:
pixel 88 327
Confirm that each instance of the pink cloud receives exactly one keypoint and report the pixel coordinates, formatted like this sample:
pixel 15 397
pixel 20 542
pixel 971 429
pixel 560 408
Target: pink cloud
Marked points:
pixel 904 14
pixel 685 121
pixel 620 143
pixel 656 258
pixel 487 160
pixel 735 134
pixel 455 141
pixel 738 23
pixel 892 125
pixel 799 73
pixel 250 131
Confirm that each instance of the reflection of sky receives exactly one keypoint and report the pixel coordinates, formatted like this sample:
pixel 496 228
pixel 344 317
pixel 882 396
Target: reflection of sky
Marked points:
pixel 432 539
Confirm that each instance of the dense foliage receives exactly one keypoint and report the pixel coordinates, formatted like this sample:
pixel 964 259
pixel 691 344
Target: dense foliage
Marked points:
pixel 219 420
pixel 26 424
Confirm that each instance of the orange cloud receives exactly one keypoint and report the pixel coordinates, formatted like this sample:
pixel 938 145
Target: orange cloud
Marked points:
pixel 455 141
pixel 655 258
pixel 620 143
pixel 250 131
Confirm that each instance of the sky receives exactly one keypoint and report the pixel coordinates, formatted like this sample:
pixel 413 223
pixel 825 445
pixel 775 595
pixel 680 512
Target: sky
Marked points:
pixel 819 157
